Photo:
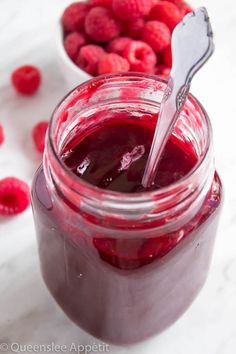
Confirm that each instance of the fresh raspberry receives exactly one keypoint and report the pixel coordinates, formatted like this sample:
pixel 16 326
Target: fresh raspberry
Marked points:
pixel 14 196
pixel 103 3
pixel 26 79
pixel 176 2
pixel 166 12
pixel 134 28
pixel 167 57
pixel 128 10
pixel 162 71
pixel 38 134
pixel 73 42
pixel 101 25
pixel 89 57
pixel 157 35
pixel 74 16
pixel 140 56
pixel 118 45
pixel 111 63
pixel 1 135
pixel 184 9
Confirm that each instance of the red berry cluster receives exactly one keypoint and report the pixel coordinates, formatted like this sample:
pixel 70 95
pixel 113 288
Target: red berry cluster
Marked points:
pixel 106 36
pixel 15 193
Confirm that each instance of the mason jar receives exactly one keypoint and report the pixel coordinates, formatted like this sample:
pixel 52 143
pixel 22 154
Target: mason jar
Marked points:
pixel 125 266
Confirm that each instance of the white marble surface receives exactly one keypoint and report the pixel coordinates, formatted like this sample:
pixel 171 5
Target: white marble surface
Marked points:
pixel 27 312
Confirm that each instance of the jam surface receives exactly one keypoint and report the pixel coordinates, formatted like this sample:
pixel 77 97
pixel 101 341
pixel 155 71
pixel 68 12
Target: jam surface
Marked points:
pixel 114 155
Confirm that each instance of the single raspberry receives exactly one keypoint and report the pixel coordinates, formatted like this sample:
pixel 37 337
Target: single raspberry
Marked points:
pixel 14 196
pixel 140 56
pixel 166 12
pixel 176 2
pixel 157 35
pixel 26 79
pixel 1 135
pixel 38 134
pixel 128 10
pixel 134 28
pixel 103 3
pixel 101 25
pixel 73 42
pixel 162 71
pixel 118 45
pixel 111 63
pixel 184 9
pixel 89 57
pixel 167 56
pixel 74 16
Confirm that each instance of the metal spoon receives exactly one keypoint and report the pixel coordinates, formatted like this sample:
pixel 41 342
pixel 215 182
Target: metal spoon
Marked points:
pixel 192 45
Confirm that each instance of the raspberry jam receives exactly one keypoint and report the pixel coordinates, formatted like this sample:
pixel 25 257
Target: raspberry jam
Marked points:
pixel 124 263
pixel 114 156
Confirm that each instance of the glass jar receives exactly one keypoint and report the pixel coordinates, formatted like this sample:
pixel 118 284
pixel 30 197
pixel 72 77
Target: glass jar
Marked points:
pixel 125 266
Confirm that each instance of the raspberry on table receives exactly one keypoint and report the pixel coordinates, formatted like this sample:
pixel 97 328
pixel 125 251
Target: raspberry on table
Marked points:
pixel 157 35
pixel 1 135
pixel 167 56
pixel 89 57
pixel 74 16
pixel 101 26
pixel 26 79
pixel 14 196
pixel 103 3
pixel 140 56
pixel 134 28
pixel 166 12
pixel 111 63
pixel 128 10
pixel 38 134
pixel 118 45
pixel 73 42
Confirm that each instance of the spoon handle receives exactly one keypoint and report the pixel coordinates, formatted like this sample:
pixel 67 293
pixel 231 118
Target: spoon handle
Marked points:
pixel 192 45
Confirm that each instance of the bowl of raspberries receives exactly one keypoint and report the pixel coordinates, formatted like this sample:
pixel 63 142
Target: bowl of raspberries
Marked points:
pixel 107 36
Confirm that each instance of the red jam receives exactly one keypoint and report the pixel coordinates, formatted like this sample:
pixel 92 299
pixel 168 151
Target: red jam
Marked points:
pixel 119 277
pixel 113 156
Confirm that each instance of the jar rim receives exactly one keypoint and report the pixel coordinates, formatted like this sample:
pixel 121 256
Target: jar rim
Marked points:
pixel 84 187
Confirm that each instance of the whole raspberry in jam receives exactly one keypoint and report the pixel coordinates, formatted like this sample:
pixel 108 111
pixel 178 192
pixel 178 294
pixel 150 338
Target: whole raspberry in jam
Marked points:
pixel 89 57
pixel 166 12
pixel 26 79
pixel 14 196
pixel 157 35
pixel 101 26
pixel 140 56
pixel 134 28
pixel 111 63
pixel 103 3
pixel 128 10
pixel 38 134
pixel 118 45
pixel 74 16
pixel 73 42
pixel 1 135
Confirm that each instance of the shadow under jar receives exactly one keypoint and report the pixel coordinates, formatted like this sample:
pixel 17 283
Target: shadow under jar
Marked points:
pixel 125 266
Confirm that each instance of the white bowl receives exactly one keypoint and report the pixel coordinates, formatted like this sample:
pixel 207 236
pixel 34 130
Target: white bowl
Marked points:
pixel 71 72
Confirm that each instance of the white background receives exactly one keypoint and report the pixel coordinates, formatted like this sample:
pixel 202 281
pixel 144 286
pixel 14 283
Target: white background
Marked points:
pixel 27 312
